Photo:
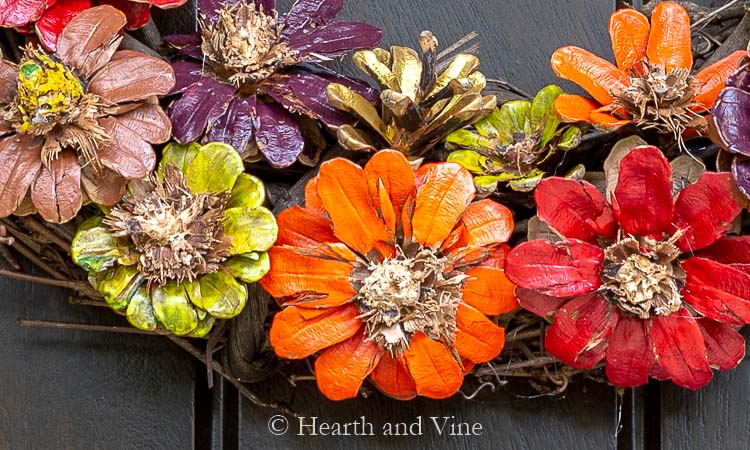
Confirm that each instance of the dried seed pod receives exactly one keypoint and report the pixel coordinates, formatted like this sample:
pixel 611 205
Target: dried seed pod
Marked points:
pixel 419 106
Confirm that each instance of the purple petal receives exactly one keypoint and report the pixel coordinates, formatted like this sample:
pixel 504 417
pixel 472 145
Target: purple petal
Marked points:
pixel 310 13
pixel 305 93
pixel 268 5
pixel 359 86
pixel 277 134
pixel 186 73
pixel 731 114
pixel 235 126
pixel 337 39
pixel 202 102
pixel 186 44
pixel 741 174
pixel 741 77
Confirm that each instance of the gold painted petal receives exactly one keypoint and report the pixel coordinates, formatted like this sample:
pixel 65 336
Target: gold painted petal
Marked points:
pixel 150 122
pixel 354 140
pixel 132 76
pixel 20 161
pixel 8 85
pixel 103 188
pixel 56 192
pixel 408 70
pixel 127 153
pixel 461 66
pixel 372 65
pixel 89 40
pixel 341 97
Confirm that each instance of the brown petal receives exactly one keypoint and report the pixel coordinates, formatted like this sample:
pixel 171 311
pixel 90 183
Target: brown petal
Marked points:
pixel 56 193
pixel 127 153
pixel 105 187
pixel 132 76
pixel 150 122
pixel 8 87
pixel 89 40
pixel 20 161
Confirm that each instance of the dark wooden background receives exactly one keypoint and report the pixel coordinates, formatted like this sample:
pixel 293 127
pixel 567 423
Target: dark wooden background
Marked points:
pixel 77 390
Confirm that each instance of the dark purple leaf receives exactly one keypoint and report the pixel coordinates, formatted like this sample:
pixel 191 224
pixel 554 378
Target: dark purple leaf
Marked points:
pixel 186 73
pixel 235 126
pixel 336 39
pixel 741 174
pixel 741 77
pixel 731 114
pixel 277 134
pixel 202 102
pixel 186 44
pixel 306 14
pixel 360 87
pixel 305 93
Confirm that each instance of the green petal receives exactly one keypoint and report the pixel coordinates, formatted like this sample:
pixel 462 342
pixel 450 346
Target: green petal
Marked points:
pixel 251 229
pixel 570 139
pixel 249 267
pixel 470 160
pixel 140 313
pixel 173 309
pixel 486 185
pixel 117 286
pixel 215 168
pixel 577 172
pixel 94 248
pixel 465 139
pixel 221 295
pixel 248 191
pixel 543 116
pixel 178 155
pixel 203 328
pixel 496 126
pixel 528 182
pixel 516 114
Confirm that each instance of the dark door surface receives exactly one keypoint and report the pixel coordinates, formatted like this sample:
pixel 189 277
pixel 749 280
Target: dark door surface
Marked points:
pixel 83 390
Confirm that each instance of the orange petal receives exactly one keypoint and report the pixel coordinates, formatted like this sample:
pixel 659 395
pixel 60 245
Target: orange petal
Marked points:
pixel 594 74
pixel 447 190
pixel 477 338
pixel 669 45
pixel 391 378
pixel 392 169
pixel 714 77
pixel 435 370
pixel 386 208
pixel 574 108
pixel 308 276
pixel 468 366
pixel 312 201
pixel 489 291
pixel 299 332
pixel 629 31
pixel 606 121
pixel 340 370
pixel 342 188
pixel 302 227
pixel 485 222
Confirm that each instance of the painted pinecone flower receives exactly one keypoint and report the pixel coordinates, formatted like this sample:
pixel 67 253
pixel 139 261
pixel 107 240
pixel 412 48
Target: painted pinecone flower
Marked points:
pixel 175 253
pixel 76 125
pixel 48 17
pixel 652 84
pixel 390 274
pixel 512 145
pixel 646 282
pixel 419 106
pixel 249 80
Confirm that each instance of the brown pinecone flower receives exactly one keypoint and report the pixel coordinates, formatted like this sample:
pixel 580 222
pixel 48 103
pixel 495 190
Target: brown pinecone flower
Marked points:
pixel 77 124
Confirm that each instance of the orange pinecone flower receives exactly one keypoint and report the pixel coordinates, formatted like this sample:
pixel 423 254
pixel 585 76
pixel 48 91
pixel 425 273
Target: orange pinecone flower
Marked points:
pixel 390 273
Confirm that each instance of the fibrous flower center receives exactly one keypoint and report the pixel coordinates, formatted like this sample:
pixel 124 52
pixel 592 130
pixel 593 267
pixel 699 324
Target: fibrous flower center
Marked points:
pixel 402 296
pixel 661 100
pixel 244 44
pixel 643 276
pixel 52 101
pixel 177 234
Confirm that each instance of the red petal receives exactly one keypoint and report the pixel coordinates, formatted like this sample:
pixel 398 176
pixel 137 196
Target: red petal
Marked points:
pixel 391 378
pixel 629 357
pixel 477 338
pixel 705 210
pixel 17 13
pixel 725 346
pixel 435 370
pixel 717 291
pixel 729 250
pixel 299 332
pixel 642 200
pixel 341 369
pixel 540 304
pixel 576 210
pixel 580 325
pixel 680 350
pixel 54 19
pixel 562 269
pixel 137 13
